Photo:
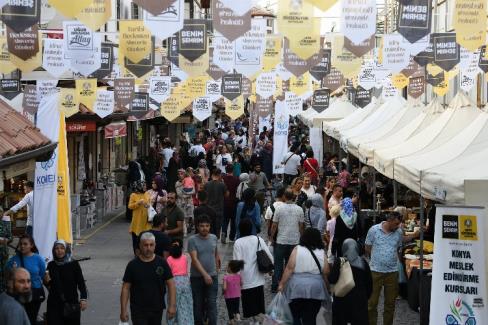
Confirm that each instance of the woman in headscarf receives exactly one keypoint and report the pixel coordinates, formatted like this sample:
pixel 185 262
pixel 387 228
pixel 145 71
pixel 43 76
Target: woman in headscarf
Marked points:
pixel 203 171
pixel 157 193
pixel 346 226
pixel 67 289
pixel 359 295
pixel 315 214
pixel 249 209
pixel 243 185
pixel 184 199
pixel 174 164
pixel 139 202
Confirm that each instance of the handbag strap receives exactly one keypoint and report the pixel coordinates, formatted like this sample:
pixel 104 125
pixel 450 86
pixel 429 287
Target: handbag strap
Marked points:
pixel 310 165
pixel 289 158
pixel 259 244
pixel 315 259
pixel 310 220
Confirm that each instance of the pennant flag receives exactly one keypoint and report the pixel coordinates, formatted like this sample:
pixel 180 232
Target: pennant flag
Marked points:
pixel 266 84
pixel 171 18
pixel 395 54
pixel 320 100
pixel 415 19
pixel 70 8
pixel 134 32
pixel 293 103
pixel 9 88
pixel 202 108
pixel 334 80
pixel 142 67
pixel 272 53
pixel 140 105
pixel 124 93
pixel 358 19
pixel 362 97
pixel 193 39
pixel 64 199
pixel 446 50
pixel 248 59
pixel 6 66
pixel 170 108
pixel 212 90
pixel 344 60
pixel 96 15
pixel 416 86
pixel 160 88
pixel 320 70
pixel 234 108
pixel 67 102
pixel 86 92
pixel 155 7
pixel 20 15
pixel 23 45
pixel 322 4
pixel 228 23
pixel 469 21
pixel 231 86
pixel 106 61
pixel 53 58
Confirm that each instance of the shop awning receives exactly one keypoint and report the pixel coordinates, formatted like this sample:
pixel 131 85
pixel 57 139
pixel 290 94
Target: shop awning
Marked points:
pixel 116 129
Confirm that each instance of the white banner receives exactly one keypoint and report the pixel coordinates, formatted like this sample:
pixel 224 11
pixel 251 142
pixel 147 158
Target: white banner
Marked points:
pixel 92 61
pixel 280 137
pixel 396 56
pixel 294 103
pixel 459 271
pixel 160 88
pixel 53 57
pixel 358 19
pixel 104 105
pixel 250 48
pixel 212 90
pixel 45 221
pixel 202 108
pixel 266 84
pixel 316 142
pixel 223 53
pixel 168 22
pixel 78 40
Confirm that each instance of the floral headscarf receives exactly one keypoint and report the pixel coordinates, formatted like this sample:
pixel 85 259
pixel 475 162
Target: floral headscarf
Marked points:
pixel 348 214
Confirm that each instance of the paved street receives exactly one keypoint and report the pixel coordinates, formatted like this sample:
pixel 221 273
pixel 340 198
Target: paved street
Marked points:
pixel 110 249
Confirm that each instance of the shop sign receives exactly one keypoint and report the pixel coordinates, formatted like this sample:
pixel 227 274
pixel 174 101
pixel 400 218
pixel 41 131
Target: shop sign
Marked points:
pixel 20 15
pixel 81 126
pixel 115 130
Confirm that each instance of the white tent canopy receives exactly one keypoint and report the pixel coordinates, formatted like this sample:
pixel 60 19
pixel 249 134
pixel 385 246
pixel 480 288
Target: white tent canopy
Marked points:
pixel 423 120
pixel 409 112
pixel 381 116
pixel 457 117
pixel 337 110
pixel 307 116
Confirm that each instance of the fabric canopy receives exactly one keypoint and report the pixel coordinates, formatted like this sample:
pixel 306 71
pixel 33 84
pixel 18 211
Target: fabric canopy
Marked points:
pixel 115 130
pixel 339 109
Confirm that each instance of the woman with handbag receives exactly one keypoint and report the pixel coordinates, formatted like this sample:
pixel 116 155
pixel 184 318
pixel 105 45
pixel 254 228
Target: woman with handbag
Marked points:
pixel 357 296
pixel 305 277
pixel 246 248
pixel 249 209
pixel 65 280
pixel 157 193
pixel 139 203
pixel 28 258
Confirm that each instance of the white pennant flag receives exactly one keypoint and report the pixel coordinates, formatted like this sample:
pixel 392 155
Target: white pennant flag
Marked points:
pixel 248 59
pixel 367 77
pixel 293 103
pixel 213 90
pixel 78 40
pixel 266 84
pixel 104 105
pixel 396 56
pixel 239 7
pixel 168 22
pixel 223 53
pixel 358 19
pixel 45 88
pixel 160 88
pixel 202 108
pixel 53 57
pixel 92 61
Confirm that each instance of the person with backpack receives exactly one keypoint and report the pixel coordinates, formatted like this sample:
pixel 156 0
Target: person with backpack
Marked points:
pixel 248 208
pixel 315 213
pixel 268 216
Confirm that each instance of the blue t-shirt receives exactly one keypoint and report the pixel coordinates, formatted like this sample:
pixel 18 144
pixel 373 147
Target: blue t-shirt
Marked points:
pixel 34 264
pixel 384 250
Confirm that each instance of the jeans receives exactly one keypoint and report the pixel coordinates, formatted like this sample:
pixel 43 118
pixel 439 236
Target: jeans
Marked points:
pixel 229 217
pixel 305 311
pixel 281 254
pixel 390 283
pixel 204 300
pixel 147 318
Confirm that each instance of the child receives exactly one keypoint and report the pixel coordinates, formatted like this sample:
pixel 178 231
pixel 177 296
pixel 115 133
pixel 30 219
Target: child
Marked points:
pixel 232 289
pixel 178 262
pixel 188 183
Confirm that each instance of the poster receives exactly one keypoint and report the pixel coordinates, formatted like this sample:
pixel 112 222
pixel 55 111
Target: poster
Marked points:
pixel 415 19
pixel 416 87
pixel 20 15
pixel 469 21
pixel 266 84
pixel 202 108
pixel 96 15
pixel 171 18
pixel 160 88
pixel 293 103
pixel 193 39
pixel 320 70
pixel 446 50
pixel 234 108
pixel 228 23
pixel 104 105
pixel 231 86
pixel 123 93
pixel 358 19
pixel 135 41
pixel 25 44
pixel 320 100
pixel 280 136
pixel 362 97
pixel 459 270
pixel 53 58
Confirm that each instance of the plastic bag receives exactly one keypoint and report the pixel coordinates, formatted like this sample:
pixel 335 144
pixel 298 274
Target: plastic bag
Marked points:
pixel 123 323
pixel 278 311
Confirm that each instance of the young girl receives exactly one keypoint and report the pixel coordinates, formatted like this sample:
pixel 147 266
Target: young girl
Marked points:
pixel 232 289
pixel 178 262
pixel 188 183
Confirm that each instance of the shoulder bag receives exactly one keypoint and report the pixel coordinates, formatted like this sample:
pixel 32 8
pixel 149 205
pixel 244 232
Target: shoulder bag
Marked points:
pixel 70 309
pixel 151 213
pixel 262 259
pixel 346 280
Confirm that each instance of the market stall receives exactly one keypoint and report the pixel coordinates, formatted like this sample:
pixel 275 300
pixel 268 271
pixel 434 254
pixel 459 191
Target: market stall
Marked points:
pixel 338 109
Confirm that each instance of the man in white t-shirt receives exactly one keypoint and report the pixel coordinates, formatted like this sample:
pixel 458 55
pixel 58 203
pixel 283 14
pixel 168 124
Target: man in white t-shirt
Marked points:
pixel 336 197
pixel 223 159
pixel 167 152
pixel 27 201
pixel 292 161
pixel 196 149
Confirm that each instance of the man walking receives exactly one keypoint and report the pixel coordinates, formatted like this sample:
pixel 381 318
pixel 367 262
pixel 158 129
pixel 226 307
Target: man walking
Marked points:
pixel 204 209
pixel 145 280
pixel 27 200
pixel 382 244
pixel 216 191
pixel 259 183
pixel 175 218
pixel 205 264
pixel 18 293
pixel 230 204
pixel 292 161
pixel 288 222
pixel 163 241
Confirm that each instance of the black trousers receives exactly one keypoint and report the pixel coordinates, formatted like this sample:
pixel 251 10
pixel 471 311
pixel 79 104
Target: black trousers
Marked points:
pixel 305 311
pixel 147 318
pixel 232 306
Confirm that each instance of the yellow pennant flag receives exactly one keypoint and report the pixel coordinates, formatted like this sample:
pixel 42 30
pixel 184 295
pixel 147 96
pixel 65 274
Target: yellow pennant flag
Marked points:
pixel 300 85
pixel 196 68
pixel 70 8
pixel 442 88
pixel 272 54
pixel 96 15
pixel 469 21
pixel 234 108
pixel 86 92
pixel 134 40
pixel 196 87
pixel 6 65
pixel 170 108
pixel 295 19
pixel 399 81
pixel 64 211
pixel 323 4
pixel 67 102
pixel 343 60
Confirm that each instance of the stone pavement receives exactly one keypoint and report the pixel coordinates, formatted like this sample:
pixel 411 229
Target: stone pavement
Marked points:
pixel 110 249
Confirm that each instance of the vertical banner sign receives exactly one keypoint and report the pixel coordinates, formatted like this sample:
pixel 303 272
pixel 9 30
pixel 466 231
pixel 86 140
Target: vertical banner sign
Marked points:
pixel 171 18
pixel 53 58
pixel 140 105
pixel 45 222
pixel 301 85
pixel 134 40
pixel 9 88
pixel 104 105
pixel 86 92
pixel 160 88
pixel 320 70
pixel 367 77
pixel 228 23
pixel 123 93
pixel 320 100
pixel 193 39
pixel 469 21
pixel 362 97
pixel 30 102
pixel 154 7
pixel 96 15
pixel 170 109
pixel 144 66
pixel 250 48
pixel 415 18
pixel 334 80
pixel 466 81
pixel 292 63
pixel 361 48
pixel 280 137
pixel 266 84
pixel 416 86
pixel 272 53
pixel 20 15
pixel 234 108
pixel 64 210
pixel 23 45
pixel 106 61
pixel 446 50
pixel 344 60
pixel 78 40
pixel 293 103
pixel 459 271
pixel 223 53
pixel 202 108
pixel 90 61
pixel 231 86
pixel 358 19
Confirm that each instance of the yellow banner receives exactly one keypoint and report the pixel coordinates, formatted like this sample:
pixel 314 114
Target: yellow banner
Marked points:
pixel 6 65
pixel 343 60
pixel 469 21
pixel 86 92
pixel 170 108
pixel 234 108
pixel 323 4
pixel 272 54
pixel 30 64
pixel 295 19
pixel 196 87
pixel 196 68
pixel 70 8
pixel 96 15
pixel 442 88
pixel 134 40
pixel 64 211
pixel 399 81
pixel 67 102
pixel 300 85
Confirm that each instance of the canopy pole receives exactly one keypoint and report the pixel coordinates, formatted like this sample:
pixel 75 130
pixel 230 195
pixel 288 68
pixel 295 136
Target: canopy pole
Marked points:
pixel 395 193
pixel 422 217
pixel 374 197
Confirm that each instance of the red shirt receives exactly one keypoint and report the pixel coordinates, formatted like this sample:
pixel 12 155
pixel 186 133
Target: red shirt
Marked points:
pixel 311 166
